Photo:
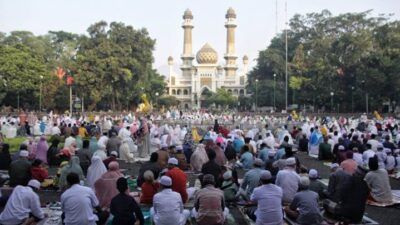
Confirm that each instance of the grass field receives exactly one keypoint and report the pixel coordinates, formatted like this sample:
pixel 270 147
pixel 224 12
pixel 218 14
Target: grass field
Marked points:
pixel 14 143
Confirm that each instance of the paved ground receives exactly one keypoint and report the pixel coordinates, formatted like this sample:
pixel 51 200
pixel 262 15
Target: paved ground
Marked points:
pixel 385 216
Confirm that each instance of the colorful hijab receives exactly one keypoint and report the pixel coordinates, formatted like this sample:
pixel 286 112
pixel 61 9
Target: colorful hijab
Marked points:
pixel 106 186
pixel 41 150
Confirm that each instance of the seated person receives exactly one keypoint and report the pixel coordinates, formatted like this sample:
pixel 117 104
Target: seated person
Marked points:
pixel 246 159
pixel 304 207
pixel 23 206
pixel 229 187
pixel 38 170
pixel 209 204
pixel 168 206
pixel 149 188
pixel 124 207
pixel 378 182
pixel 315 185
pixel 325 152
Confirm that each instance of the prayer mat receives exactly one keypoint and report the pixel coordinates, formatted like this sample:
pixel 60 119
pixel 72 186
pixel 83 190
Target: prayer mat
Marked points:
pixel 396 200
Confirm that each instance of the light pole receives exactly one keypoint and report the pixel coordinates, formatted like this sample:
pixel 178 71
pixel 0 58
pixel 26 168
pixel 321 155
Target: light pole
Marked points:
pixel 352 99
pixel 332 101
pixel 256 94
pixel 366 96
pixel 40 94
pixel 157 98
pixel 286 59
pixel 274 89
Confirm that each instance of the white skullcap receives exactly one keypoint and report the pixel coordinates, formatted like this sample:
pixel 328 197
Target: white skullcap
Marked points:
pixel 304 181
pixel 173 161
pixel 291 161
pixel 34 183
pixel 266 175
pixel 164 145
pixel 313 173
pixel 334 165
pixel 179 147
pixel 114 153
pixel 341 147
pixel 23 153
pixel 165 181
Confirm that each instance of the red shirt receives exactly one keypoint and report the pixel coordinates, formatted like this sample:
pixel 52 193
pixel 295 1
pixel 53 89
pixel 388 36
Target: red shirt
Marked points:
pixel 179 180
pixel 39 173
pixel 148 192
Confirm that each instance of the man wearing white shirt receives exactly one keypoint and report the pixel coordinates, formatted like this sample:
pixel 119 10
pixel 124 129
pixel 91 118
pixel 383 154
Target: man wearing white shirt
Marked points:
pixel 168 206
pixel 55 130
pixel 78 202
pixel 374 143
pixel 69 140
pixel 23 206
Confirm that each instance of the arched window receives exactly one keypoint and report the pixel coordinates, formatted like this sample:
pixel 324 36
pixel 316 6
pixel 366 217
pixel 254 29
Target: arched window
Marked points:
pixel 173 92
pixel 178 92
pixel 185 92
pixel 235 91
pixel 229 91
pixel 241 92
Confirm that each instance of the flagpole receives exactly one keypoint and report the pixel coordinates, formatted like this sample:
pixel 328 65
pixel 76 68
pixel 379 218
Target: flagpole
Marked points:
pixel 286 61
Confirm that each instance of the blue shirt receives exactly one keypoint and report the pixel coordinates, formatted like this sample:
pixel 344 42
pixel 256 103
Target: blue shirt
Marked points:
pixel 247 160
pixel 251 180
pixel 238 144
pixel 279 154
pixel 263 154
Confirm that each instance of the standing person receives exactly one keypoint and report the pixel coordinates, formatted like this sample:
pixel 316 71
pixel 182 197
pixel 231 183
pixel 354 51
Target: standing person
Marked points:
pixel 268 197
pixel 304 207
pixel 85 156
pixel 288 180
pixel 209 203
pixel 78 202
pixel 95 171
pixel 325 148
pixel 41 151
pixel 168 206
pixel 123 207
pixel 178 177
pixel 5 157
pixel 20 170
pixel 23 206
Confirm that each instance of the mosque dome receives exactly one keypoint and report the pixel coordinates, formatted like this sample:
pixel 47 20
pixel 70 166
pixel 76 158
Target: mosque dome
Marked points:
pixel 230 13
pixel 187 14
pixel 207 55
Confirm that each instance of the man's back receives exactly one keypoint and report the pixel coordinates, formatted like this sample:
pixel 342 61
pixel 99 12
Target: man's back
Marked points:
pixel 251 180
pixel 211 167
pixel 209 201
pixel 21 203
pixel 288 180
pixel 306 202
pixel 77 203
pixel 179 180
pixel 269 204
pixel 168 207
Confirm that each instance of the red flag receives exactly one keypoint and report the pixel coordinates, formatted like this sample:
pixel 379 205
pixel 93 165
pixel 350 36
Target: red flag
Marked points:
pixel 70 80
pixel 60 73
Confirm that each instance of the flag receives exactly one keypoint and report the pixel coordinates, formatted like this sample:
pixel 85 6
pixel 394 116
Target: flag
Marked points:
pixel 70 80
pixel 60 73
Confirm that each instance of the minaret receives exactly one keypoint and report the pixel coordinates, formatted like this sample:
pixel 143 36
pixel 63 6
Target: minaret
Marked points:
pixel 187 55
pixel 170 65
pixel 230 57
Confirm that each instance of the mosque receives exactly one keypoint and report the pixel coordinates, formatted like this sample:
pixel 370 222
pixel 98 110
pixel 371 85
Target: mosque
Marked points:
pixel 207 75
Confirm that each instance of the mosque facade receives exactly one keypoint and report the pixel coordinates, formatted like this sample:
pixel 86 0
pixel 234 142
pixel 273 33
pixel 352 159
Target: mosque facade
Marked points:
pixel 197 79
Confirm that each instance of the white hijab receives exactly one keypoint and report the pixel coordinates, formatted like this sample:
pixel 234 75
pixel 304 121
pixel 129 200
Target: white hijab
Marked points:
pixel 95 170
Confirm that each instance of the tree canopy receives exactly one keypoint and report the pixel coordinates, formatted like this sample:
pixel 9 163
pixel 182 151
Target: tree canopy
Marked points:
pixel 351 54
pixel 111 67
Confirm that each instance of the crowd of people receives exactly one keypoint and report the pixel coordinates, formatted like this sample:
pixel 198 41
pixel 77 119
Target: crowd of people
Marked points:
pixel 88 150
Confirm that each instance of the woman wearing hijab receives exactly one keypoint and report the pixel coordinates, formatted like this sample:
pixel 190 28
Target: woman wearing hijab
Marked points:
pixel 93 144
pixel 73 166
pixel 5 157
pixel 105 187
pixel 32 147
pixel 41 151
pixel 198 158
pixel 78 141
pixel 95 170
pixel 52 154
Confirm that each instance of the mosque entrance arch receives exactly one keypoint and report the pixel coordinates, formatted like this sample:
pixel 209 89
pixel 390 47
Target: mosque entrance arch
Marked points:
pixel 204 94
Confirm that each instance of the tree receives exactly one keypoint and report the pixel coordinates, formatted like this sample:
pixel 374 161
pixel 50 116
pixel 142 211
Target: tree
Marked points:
pixel 221 98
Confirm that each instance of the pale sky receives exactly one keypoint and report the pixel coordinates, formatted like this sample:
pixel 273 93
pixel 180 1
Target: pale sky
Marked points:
pixel 163 19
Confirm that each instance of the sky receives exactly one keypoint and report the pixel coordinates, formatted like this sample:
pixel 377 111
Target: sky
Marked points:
pixel 256 20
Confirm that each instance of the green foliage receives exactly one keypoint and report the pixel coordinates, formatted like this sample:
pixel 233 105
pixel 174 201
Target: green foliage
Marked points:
pixel 111 67
pixel 221 98
pixel 168 101
pixel 332 54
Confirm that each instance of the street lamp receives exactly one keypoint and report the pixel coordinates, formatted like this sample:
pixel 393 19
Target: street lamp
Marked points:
pixel 157 98
pixel 256 94
pixel 40 94
pixel 274 89
pixel 332 101
pixel 366 96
